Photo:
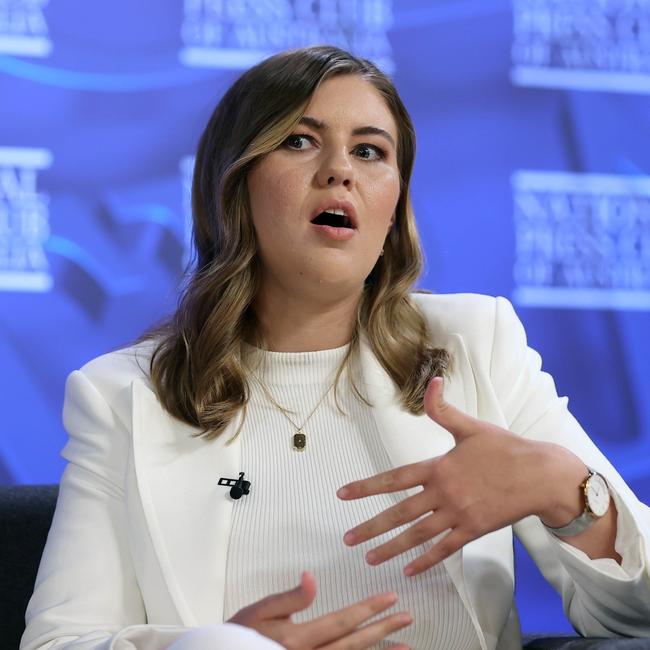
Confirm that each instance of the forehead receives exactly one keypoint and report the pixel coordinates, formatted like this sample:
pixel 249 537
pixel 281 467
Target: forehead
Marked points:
pixel 348 101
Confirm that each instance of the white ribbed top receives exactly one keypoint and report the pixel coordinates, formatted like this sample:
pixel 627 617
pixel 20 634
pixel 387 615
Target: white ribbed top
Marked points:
pixel 292 519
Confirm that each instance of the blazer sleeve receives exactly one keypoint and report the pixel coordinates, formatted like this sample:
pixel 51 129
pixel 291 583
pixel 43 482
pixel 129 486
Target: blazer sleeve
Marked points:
pixel 86 595
pixel 599 597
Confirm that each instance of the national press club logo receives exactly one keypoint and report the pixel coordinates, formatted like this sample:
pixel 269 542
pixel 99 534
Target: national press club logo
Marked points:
pixel 582 240
pixel 23 28
pixel 186 169
pixel 24 220
pixel 601 45
pixel 240 33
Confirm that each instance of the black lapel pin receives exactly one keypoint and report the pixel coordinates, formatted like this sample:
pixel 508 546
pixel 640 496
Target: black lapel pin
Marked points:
pixel 238 486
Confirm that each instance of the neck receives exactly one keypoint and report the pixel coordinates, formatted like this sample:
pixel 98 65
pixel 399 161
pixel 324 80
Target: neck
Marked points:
pixel 290 323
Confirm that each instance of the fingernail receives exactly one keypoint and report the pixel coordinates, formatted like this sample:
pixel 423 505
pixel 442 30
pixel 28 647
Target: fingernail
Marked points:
pixel 343 492
pixel 349 537
pixel 371 557
pixel 409 571
pixel 404 619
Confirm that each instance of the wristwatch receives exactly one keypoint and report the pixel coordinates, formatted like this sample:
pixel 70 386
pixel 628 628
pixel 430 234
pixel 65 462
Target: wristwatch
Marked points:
pixel 595 492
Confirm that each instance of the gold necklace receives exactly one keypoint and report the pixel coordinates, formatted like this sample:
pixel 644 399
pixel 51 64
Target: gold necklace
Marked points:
pixel 299 437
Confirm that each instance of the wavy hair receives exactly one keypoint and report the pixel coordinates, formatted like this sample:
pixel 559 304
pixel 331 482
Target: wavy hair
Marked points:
pixel 196 367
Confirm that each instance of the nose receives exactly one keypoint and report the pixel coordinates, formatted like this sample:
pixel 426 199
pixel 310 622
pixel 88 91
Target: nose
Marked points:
pixel 336 169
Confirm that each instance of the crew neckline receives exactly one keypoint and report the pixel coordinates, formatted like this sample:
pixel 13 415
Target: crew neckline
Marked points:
pixel 283 368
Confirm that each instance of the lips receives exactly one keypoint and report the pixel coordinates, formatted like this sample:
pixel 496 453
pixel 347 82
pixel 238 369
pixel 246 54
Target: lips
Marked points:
pixel 333 204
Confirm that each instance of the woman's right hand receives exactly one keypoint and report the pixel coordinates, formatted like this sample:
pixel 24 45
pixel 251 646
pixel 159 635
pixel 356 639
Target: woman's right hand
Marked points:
pixel 271 617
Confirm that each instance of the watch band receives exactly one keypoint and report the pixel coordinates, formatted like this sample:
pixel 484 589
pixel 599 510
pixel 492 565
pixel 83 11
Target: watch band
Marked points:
pixel 575 527
pixel 583 520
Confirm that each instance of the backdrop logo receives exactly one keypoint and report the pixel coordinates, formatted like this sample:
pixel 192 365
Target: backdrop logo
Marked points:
pixel 23 30
pixel 582 44
pixel 239 33
pixel 24 221
pixel 582 240
pixel 187 171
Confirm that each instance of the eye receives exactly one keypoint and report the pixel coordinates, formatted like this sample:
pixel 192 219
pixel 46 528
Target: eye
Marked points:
pixel 369 152
pixel 294 141
pixel 370 149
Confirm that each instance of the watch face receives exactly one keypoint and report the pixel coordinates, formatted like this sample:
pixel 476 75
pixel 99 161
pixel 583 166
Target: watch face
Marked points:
pixel 597 495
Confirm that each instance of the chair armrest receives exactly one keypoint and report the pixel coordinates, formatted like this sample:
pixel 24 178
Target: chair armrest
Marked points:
pixel 568 642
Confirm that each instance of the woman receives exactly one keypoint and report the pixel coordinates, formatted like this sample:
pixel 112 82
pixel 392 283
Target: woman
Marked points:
pixel 204 463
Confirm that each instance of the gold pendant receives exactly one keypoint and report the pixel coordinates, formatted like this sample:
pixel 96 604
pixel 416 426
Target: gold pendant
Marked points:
pixel 299 440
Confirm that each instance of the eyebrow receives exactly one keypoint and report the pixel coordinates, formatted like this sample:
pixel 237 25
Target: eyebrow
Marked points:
pixel 360 130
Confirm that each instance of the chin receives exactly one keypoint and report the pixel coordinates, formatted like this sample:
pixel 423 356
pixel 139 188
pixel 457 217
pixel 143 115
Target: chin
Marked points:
pixel 337 284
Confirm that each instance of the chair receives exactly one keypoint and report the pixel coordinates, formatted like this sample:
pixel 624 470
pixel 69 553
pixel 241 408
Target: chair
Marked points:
pixel 25 517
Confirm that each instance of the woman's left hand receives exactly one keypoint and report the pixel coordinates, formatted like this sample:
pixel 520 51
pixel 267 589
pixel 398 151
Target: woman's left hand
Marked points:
pixel 490 479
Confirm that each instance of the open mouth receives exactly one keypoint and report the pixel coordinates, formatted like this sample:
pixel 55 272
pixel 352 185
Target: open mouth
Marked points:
pixel 333 219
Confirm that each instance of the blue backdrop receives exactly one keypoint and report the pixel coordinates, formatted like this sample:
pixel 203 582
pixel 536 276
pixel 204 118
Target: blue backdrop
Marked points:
pixel 532 119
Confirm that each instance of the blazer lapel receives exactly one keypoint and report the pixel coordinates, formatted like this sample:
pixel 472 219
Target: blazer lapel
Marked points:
pixel 412 438
pixel 188 514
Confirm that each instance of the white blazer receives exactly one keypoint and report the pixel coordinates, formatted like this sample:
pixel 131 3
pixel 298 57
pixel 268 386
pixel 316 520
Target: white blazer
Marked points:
pixel 137 549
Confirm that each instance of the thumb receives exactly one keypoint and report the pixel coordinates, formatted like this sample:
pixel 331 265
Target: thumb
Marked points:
pixel 459 424
pixel 286 603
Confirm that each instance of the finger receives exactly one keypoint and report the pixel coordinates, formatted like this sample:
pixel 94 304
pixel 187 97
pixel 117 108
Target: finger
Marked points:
pixel 441 550
pixel 370 634
pixel 423 531
pixel 338 624
pixel 393 517
pixel 288 602
pixel 447 415
pixel 393 480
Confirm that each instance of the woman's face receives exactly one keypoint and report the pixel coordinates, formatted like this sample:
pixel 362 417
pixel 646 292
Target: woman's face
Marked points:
pixel 343 150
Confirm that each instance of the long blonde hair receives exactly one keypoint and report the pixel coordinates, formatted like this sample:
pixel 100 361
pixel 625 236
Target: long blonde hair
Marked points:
pixel 196 367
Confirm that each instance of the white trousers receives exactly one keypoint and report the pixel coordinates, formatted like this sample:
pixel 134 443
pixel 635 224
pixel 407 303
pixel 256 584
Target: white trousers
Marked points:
pixel 225 636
